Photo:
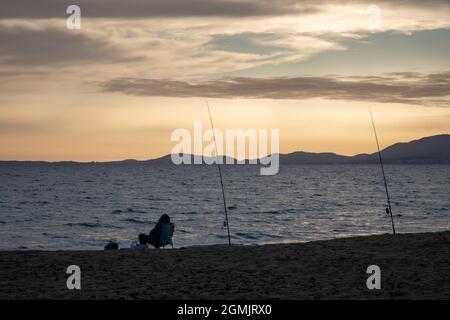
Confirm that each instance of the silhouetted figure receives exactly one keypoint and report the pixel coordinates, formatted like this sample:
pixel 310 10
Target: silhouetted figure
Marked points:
pixel 154 236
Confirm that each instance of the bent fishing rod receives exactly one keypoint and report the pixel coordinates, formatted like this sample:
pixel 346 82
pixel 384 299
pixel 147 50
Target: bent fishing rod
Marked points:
pixel 382 170
pixel 220 175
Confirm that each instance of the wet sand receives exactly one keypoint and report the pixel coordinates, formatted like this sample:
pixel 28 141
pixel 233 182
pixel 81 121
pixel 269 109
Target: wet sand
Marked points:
pixel 413 266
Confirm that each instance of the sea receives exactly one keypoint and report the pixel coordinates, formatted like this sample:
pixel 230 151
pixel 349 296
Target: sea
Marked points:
pixel 69 206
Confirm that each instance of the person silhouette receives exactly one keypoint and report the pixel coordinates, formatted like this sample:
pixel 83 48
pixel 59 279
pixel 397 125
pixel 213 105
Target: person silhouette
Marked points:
pixel 153 236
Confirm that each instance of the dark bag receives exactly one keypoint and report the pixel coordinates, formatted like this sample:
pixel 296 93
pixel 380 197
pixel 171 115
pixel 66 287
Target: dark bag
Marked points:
pixel 111 246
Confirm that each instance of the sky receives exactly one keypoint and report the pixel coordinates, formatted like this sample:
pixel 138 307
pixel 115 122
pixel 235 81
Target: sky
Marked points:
pixel 117 87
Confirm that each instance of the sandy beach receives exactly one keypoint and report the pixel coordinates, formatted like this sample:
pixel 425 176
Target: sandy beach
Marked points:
pixel 413 266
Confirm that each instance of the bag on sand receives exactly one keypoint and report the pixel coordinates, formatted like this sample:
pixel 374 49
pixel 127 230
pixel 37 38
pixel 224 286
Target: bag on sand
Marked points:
pixel 137 246
pixel 111 246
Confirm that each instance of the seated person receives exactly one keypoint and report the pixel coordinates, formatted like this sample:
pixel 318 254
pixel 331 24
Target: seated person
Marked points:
pixel 153 237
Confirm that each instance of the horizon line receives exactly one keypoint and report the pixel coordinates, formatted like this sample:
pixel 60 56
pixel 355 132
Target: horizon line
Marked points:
pixel 218 156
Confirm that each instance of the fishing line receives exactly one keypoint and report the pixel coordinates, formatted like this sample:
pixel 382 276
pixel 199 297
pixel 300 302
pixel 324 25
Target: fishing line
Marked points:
pixel 220 175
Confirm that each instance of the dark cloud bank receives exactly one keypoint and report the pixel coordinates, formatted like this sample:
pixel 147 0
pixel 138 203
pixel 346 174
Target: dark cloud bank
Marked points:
pixel 154 8
pixel 410 88
pixel 33 9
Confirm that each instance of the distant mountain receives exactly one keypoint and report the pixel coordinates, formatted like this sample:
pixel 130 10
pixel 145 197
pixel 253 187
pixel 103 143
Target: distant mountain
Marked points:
pixel 167 159
pixel 434 149
pixel 428 150
pixel 301 157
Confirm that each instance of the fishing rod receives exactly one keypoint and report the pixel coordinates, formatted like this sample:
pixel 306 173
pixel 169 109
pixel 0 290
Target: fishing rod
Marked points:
pixel 382 170
pixel 220 175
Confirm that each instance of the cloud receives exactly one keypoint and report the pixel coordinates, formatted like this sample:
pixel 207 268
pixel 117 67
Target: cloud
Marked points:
pixel 197 38
pixel 26 46
pixel 201 39
pixel 44 9
pixel 249 42
pixel 27 126
pixel 408 88
pixel 11 9
pixel 171 49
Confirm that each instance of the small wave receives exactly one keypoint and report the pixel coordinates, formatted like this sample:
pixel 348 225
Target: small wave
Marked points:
pixel 91 225
pixel 226 237
pixel 54 236
pixel 134 221
pixel 288 210
pixel 84 224
pixel 129 210
pixel 13 175
pixel 246 236
pixel 439 209
pixel 158 199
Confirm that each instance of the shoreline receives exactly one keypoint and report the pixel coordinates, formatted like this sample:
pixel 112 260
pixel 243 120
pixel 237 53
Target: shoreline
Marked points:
pixel 413 266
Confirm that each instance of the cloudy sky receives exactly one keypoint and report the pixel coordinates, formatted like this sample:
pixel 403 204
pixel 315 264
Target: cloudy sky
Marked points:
pixel 136 70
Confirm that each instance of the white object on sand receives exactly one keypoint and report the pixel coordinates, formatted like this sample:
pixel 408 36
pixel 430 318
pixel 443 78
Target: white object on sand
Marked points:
pixel 136 245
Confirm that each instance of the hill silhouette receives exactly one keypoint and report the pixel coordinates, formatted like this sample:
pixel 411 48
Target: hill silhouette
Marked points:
pixel 434 149
pixel 427 150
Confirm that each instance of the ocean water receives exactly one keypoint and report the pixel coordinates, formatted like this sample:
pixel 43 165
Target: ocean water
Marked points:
pixel 61 207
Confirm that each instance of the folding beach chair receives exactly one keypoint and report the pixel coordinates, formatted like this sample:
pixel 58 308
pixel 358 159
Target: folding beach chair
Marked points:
pixel 165 235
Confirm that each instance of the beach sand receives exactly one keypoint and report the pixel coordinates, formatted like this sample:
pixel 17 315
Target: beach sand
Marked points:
pixel 413 266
